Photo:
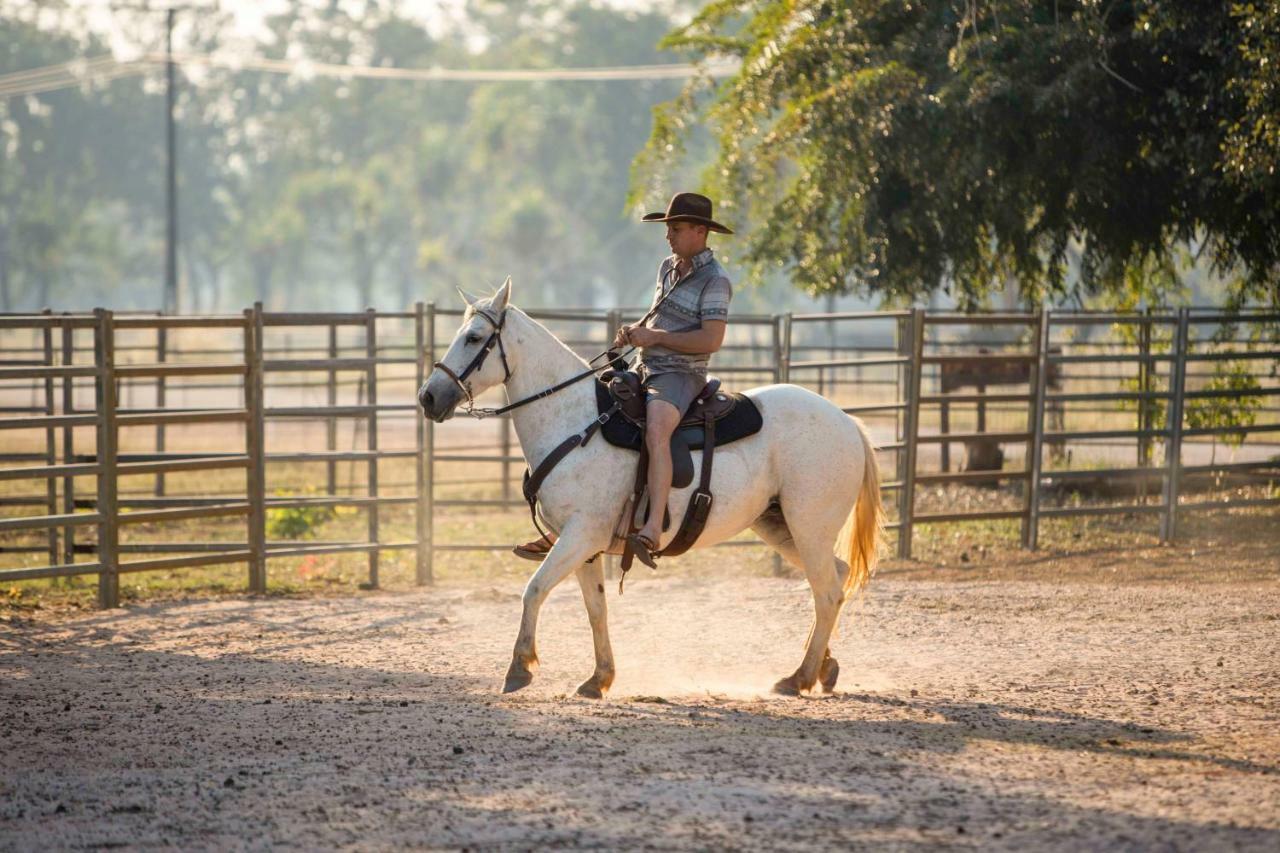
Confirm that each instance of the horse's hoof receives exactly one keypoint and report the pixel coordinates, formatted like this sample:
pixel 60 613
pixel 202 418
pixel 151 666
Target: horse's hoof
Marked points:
pixel 788 686
pixel 517 680
pixel 828 674
pixel 590 690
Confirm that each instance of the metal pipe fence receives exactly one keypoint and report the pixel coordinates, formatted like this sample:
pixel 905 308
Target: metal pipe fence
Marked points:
pixel 101 383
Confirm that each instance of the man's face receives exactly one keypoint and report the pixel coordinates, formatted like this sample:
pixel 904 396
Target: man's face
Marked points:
pixel 686 239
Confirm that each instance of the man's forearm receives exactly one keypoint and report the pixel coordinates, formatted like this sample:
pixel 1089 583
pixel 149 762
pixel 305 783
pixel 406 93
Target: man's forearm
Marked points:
pixel 704 340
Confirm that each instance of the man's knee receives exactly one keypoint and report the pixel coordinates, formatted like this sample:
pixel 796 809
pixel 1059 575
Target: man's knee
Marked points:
pixel 661 420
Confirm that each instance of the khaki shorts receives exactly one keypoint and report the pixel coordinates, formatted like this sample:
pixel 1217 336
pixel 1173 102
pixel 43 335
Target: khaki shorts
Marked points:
pixel 678 389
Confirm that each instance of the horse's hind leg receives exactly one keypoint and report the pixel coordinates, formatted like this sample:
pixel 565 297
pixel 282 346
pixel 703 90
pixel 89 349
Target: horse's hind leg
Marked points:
pixel 571 550
pixel 591 579
pixel 772 528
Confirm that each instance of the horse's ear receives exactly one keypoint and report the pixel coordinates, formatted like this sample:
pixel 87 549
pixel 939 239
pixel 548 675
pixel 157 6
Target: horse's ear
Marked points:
pixel 503 296
pixel 467 297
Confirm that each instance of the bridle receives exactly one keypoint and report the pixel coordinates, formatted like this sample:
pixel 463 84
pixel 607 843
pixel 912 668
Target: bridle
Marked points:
pixel 460 379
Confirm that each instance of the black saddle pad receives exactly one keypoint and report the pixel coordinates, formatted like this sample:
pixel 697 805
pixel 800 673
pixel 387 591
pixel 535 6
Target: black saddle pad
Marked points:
pixel 744 420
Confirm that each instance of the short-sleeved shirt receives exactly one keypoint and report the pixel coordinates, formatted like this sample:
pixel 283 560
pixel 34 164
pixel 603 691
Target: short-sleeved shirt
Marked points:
pixel 703 294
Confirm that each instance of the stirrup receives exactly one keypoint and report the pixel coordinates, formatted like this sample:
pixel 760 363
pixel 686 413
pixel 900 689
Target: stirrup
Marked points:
pixel 536 550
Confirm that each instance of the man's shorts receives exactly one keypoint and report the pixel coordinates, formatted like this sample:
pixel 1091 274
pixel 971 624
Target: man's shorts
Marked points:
pixel 678 389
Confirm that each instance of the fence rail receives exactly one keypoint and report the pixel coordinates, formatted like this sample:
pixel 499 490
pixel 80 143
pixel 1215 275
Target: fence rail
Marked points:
pixel 912 377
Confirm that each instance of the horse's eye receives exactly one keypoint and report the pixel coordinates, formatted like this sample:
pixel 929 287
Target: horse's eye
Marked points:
pixel 473 339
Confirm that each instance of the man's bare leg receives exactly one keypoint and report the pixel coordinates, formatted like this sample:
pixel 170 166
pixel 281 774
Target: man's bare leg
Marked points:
pixel 661 420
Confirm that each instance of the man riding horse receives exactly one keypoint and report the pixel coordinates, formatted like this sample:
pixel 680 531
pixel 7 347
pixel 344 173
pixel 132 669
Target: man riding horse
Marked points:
pixel 690 312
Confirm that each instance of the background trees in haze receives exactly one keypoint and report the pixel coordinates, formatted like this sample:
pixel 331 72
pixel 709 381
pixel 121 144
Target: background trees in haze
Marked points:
pixel 897 148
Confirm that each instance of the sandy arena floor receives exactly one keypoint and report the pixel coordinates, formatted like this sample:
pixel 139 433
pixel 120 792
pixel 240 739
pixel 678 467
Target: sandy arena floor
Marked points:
pixel 1085 705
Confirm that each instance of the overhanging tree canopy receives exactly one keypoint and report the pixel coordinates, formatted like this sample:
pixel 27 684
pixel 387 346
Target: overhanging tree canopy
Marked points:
pixel 895 147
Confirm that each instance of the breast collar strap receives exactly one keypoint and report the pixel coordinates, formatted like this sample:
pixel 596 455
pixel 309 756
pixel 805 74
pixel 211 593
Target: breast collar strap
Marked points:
pixel 460 379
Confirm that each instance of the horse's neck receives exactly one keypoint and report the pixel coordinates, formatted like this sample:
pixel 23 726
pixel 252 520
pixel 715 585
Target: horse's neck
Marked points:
pixel 543 362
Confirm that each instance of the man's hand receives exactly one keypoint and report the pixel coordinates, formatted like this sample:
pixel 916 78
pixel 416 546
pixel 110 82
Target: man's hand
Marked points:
pixel 642 336
pixel 620 338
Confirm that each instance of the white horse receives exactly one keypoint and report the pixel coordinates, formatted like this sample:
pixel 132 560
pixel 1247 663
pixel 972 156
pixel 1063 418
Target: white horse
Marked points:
pixel 809 473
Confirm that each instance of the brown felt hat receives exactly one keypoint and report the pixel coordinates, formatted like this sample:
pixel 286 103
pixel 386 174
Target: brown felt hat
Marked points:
pixel 688 207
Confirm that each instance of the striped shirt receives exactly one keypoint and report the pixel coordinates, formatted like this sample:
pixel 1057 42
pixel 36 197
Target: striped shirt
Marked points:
pixel 702 294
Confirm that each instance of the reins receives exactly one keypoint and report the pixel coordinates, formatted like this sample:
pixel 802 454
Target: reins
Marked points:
pixel 460 379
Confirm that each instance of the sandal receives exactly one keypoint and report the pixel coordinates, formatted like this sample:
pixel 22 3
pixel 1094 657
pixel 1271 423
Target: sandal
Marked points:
pixel 644 549
pixel 536 550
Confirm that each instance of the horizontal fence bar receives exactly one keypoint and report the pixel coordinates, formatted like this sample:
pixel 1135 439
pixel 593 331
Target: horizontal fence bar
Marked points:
pixel 971 476
pixel 48 422
pixel 211 368
pixel 990 515
pixel 44 471
pixel 37 572
pixel 162 515
pixel 172 466
pixel 1107 433
pixel 198 416
pixel 47 372
pixel 1087 474
pixel 187 562
pixel 1111 509
pixel 208 321
pixel 1239 503
pixel 993 319
pixel 1083 319
pixel 996 437
pixel 932 399
pixel 849 315
pixel 1108 395
pixel 309 364
pixel 44 522
pixel 982 358
pixel 1244 355
pixel 1232 430
pixel 1106 359
pixel 335 411
pixel 847 362
pixel 340 455
pixel 48 321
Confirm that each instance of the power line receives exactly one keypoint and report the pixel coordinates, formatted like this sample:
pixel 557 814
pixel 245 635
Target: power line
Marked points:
pixel 102 68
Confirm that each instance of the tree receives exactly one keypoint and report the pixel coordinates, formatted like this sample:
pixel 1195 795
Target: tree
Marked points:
pixel 895 148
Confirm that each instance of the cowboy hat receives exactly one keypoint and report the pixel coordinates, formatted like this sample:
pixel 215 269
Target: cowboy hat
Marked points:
pixel 688 207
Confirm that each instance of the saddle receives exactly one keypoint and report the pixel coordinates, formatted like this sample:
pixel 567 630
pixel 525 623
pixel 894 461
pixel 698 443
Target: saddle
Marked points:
pixel 699 429
pixel 713 419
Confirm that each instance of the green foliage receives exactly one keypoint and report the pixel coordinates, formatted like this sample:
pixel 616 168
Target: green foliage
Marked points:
pixel 1227 412
pixel 292 523
pixel 895 148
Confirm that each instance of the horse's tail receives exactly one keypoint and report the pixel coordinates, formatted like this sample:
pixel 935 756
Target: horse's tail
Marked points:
pixel 866 521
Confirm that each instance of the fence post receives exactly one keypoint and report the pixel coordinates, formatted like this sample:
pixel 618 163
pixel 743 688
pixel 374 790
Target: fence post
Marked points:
pixel 422 558
pixel 105 394
pixel 1031 521
pixel 911 426
pixel 162 352
pixel 255 447
pixel 50 443
pixel 1173 447
pixel 784 360
pixel 426 534
pixel 330 422
pixel 68 443
pixel 371 353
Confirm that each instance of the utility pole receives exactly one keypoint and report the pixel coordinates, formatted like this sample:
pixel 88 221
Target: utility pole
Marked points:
pixel 171 182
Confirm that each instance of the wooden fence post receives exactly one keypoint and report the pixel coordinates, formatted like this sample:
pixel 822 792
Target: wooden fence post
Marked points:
pixel 108 509
pixel 68 443
pixel 255 447
pixel 371 353
pixel 422 560
pixel 1031 521
pixel 1173 447
pixel 50 443
pixel 330 422
pixel 162 355
pixel 911 426
pixel 426 536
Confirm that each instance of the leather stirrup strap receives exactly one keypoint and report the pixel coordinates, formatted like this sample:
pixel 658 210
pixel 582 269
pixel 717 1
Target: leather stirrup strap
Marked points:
pixel 695 517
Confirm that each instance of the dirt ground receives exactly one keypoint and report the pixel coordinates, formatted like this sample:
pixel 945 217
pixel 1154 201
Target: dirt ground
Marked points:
pixel 1110 699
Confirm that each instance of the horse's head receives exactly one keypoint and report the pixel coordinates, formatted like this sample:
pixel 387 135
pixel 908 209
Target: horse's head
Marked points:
pixel 467 369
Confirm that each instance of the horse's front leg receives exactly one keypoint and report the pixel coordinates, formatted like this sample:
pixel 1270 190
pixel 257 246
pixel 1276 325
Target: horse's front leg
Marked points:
pixel 571 550
pixel 591 579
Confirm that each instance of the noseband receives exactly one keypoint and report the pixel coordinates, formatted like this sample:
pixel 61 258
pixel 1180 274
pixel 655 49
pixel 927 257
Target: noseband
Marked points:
pixel 460 379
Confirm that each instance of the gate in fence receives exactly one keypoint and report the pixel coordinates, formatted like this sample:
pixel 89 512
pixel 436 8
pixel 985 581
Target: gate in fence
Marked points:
pixel 212 413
